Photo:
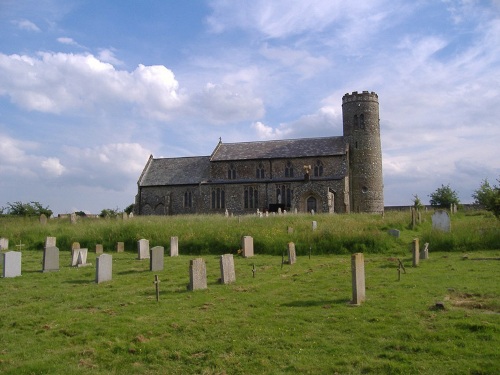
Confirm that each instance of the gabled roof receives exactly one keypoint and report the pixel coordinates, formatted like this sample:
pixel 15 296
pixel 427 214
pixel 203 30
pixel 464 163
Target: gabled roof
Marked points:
pixel 288 148
pixel 175 171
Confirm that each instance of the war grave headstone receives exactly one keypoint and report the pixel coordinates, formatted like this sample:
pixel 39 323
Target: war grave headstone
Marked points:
pixel 4 243
pixel 174 246
pixel 156 259
pixel 12 264
pixel 424 254
pixel 143 249
pixel 358 278
pixel 43 219
pixel 441 221
pixel 292 257
pixel 415 252
pixel 197 274
pixel 50 259
pixel 227 273
pixel 79 257
pixel 120 247
pixel 99 249
pixel 104 268
pixel 394 232
pixel 314 225
pixel 247 246
pixel 50 242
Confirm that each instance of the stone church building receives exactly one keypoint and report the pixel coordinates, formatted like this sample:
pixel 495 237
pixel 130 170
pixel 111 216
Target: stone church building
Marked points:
pixel 329 174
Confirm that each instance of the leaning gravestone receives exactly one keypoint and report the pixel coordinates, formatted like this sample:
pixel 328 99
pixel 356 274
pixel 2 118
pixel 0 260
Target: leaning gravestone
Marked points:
pixel 197 274
pixel 4 243
pixel 120 247
pixel 394 233
pixel 50 259
pixel 247 246
pixel 12 264
pixel 156 258
pixel 143 249
pixel 292 257
pixel 43 219
pixel 50 242
pixel 99 249
pixel 441 221
pixel 358 278
pixel 227 274
pixel 424 254
pixel 104 268
pixel 174 246
pixel 79 257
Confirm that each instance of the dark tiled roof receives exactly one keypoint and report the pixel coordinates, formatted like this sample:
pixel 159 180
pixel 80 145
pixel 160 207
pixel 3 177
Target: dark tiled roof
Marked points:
pixel 288 148
pixel 176 171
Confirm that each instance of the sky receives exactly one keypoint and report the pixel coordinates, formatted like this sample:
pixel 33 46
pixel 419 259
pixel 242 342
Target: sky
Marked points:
pixel 89 89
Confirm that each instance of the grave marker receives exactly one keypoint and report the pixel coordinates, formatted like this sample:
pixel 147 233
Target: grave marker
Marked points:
pixel 73 218
pixel 143 249
pixel 4 243
pixel 99 249
pixel 227 274
pixel 104 268
pixel 197 274
pixel 79 257
pixel 358 278
pixel 43 219
pixel 12 264
pixel 50 242
pixel 290 230
pixel 314 225
pixel 247 246
pixel 50 259
pixel 174 246
pixel 415 252
pixel 120 247
pixel 441 221
pixel 156 259
pixel 424 254
pixel 394 232
pixel 292 257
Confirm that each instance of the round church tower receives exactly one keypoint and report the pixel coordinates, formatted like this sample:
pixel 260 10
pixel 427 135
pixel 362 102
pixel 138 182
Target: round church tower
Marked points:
pixel 362 133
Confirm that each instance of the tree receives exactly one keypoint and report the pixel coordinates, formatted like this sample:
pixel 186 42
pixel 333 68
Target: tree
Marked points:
pixel 488 197
pixel 28 209
pixel 444 197
pixel 417 203
pixel 108 212
pixel 129 209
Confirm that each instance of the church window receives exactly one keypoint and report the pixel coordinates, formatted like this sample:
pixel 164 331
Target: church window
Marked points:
pixel 361 121
pixel 218 198
pixel 188 199
pixel 260 172
pixel 284 195
pixel 318 169
pixel 231 172
pixel 289 169
pixel 251 197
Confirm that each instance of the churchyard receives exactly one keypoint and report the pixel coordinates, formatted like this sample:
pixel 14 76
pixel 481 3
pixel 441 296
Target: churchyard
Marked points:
pixel 286 307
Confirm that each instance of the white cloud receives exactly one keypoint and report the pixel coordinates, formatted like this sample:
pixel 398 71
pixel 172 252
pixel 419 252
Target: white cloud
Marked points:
pixel 68 41
pixel 108 56
pixel 53 166
pixel 26 25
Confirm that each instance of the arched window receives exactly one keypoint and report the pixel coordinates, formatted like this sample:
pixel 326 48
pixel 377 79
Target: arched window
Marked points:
pixel 289 169
pixel 251 197
pixel 284 195
pixel 231 172
pixel 218 198
pixel 188 199
pixel 361 121
pixel 260 172
pixel 311 204
pixel 318 169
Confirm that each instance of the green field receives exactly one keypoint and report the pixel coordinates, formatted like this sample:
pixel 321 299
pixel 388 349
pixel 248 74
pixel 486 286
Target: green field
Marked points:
pixel 286 319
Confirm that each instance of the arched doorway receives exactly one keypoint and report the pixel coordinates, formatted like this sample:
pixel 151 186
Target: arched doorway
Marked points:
pixel 311 204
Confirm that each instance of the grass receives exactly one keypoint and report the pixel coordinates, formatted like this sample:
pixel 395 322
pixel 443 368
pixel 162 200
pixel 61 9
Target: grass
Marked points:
pixel 290 319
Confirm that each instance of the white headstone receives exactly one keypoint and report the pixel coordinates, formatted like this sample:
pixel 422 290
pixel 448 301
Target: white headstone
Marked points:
pixel 292 256
pixel 156 258
pixel 358 278
pixel 227 274
pixel 12 264
pixel 247 246
pixel 4 243
pixel 441 221
pixel 314 225
pixel 79 257
pixel 174 246
pixel 50 259
pixel 50 242
pixel 197 274
pixel 143 249
pixel 104 268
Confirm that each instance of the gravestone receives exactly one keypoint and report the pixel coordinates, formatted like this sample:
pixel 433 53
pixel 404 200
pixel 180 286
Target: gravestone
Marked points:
pixel 314 225
pixel 124 216
pixel 290 230
pixel 99 249
pixel 131 215
pixel 156 259
pixel 120 247
pixel 43 219
pixel 4 243
pixel 358 278
pixel 197 274
pixel 226 213
pixel 50 242
pixel 73 218
pixel 441 221
pixel 79 257
pixel 12 264
pixel 424 254
pixel 174 246
pixel 75 245
pixel 312 212
pixel 247 246
pixel 279 210
pixel 104 268
pixel 415 252
pixel 394 232
pixel 50 259
pixel 143 249
pixel 292 257
pixel 227 274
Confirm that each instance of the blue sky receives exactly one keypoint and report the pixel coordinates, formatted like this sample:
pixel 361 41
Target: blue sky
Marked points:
pixel 89 89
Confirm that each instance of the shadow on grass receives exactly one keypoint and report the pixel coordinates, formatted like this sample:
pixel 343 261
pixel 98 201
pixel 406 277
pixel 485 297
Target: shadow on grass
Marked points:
pixel 130 272
pixel 324 303
pixel 86 281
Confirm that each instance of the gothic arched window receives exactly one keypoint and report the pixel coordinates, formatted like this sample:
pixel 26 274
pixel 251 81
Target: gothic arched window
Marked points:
pixel 251 197
pixel 318 169
pixel 289 169
pixel 260 172
pixel 218 198
pixel 231 172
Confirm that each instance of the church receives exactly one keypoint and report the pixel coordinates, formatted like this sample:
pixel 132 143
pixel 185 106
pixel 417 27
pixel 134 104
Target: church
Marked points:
pixel 335 174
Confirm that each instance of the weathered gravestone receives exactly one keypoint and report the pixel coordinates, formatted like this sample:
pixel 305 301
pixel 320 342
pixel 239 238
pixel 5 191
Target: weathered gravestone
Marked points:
pixel 131 215
pixel 314 225
pixel 73 218
pixel 50 259
pixel 415 252
pixel 394 232
pixel 104 268
pixel 75 245
pixel 441 221
pixel 424 254
pixel 227 274
pixel 12 264
pixel 79 257
pixel 292 257
pixel 124 216
pixel 290 230
pixel 358 278
pixel 197 274
pixel 50 242
pixel 99 249
pixel 43 219
pixel 247 246
pixel 4 243
pixel 143 249
pixel 120 247
pixel 156 259
pixel 174 246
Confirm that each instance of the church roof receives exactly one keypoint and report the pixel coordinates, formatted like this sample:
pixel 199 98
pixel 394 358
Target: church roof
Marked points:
pixel 175 171
pixel 287 148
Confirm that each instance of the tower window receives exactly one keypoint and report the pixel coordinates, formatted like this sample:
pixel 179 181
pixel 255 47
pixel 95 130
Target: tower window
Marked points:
pixel 356 122
pixel 231 172
pixel 260 172
pixel 361 121
pixel 318 169
pixel 289 169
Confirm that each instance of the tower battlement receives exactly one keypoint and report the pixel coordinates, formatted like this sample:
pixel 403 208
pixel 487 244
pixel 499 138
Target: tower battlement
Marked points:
pixel 363 96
